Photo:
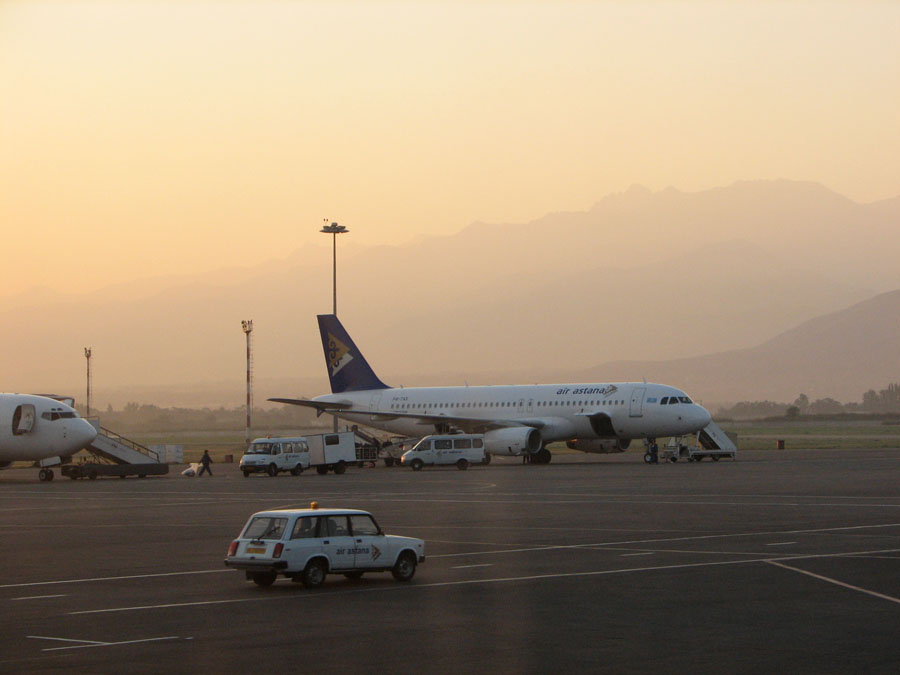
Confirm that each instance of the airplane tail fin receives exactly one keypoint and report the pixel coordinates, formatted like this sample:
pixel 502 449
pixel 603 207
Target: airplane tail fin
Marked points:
pixel 348 369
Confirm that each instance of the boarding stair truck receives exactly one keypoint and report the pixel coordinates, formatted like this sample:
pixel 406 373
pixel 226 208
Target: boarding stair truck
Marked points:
pixel 115 455
pixel 712 442
pixel 274 455
pixel 368 447
pixel 332 452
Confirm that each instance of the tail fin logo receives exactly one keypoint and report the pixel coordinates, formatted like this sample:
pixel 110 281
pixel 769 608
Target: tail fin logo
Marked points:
pixel 338 355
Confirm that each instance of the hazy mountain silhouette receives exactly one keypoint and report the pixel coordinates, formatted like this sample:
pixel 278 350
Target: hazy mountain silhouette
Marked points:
pixel 841 355
pixel 641 275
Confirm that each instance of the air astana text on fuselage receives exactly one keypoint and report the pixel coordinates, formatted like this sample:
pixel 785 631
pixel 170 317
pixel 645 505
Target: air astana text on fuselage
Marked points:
pixel 515 419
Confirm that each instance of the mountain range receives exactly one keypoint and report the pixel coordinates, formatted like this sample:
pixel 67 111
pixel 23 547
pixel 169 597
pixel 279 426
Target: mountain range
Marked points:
pixel 644 281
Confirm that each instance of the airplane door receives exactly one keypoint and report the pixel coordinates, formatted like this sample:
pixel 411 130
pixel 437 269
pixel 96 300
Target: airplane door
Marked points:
pixel 637 402
pixel 374 400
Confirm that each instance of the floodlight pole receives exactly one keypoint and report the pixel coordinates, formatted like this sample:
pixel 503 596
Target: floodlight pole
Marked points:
pixel 247 326
pixel 87 355
pixel 334 230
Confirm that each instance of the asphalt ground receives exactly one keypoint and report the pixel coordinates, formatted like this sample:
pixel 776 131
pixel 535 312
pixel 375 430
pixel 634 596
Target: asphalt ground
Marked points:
pixel 780 560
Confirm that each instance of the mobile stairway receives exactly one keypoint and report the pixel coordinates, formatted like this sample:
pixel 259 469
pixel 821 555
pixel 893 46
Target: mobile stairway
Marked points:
pixel 116 455
pixel 715 443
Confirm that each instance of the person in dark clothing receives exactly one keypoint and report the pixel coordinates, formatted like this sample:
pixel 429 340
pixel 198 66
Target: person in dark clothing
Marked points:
pixel 654 452
pixel 206 460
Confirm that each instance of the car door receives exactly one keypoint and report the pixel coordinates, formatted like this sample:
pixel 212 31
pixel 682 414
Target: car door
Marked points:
pixel 337 543
pixel 369 542
pixel 304 542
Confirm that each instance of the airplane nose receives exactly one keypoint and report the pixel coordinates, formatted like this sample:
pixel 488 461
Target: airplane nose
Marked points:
pixel 85 433
pixel 703 416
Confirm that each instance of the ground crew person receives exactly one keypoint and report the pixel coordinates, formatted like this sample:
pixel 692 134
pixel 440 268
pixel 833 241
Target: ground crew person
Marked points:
pixel 206 460
pixel 654 453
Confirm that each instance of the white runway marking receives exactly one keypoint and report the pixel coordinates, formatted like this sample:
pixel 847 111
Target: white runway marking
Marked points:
pixel 466 567
pixel 836 582
pixel 130 576
pixel 495 580
pixel 39 597
pixel 782 543
pixel 631 555
pixel 88 644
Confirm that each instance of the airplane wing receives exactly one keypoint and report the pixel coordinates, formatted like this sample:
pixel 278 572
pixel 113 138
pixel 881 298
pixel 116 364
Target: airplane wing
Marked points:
pixel 469 425
pixel 320 406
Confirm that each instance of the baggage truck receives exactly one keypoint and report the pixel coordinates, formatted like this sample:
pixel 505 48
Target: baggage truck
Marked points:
pixel 332 451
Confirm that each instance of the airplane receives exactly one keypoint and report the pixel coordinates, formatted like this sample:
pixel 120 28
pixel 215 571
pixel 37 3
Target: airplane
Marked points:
pixel 41 429
pixel 517 420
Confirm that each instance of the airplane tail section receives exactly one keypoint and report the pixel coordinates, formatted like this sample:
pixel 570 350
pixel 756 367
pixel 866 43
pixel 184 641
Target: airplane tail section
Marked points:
pixel 348 370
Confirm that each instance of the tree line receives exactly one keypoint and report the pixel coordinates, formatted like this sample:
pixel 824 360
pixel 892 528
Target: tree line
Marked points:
pixel 885 401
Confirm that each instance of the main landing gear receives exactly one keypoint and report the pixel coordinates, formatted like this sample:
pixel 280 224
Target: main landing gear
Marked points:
pixel 46 475
pixel 542 456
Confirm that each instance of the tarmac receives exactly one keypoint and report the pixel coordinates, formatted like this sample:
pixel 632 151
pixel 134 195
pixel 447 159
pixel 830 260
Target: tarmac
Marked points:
pixel 781 560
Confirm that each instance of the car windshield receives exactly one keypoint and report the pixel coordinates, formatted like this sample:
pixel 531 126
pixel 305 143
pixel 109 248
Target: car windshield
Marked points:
pixel 265 527
pixel 260 449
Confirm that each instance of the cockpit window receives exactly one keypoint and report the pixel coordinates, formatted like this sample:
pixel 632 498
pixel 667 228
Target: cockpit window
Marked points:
pixel 684 399
pixel 665 399
pixel 673 399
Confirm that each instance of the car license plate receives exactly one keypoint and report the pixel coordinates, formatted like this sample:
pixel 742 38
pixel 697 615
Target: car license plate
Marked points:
pixel 255 549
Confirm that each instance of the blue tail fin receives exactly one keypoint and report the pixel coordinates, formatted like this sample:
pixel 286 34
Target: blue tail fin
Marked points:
pixel 347 368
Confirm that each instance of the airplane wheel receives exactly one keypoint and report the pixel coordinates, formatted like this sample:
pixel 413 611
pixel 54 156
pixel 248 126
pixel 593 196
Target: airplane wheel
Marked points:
pixel 45 475
pixel 673 459
pixel 648 458
pixel 542 456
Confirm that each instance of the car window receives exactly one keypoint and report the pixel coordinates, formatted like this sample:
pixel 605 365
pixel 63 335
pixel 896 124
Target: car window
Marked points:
pixel 423 445
pixel 477 443
pixel 305 527
pixel 265 527
pixel 335 526
pixel 462 443
pixel 363 525
pixel 443 444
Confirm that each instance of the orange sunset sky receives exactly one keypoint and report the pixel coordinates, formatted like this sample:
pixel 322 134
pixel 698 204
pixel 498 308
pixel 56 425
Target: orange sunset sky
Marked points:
pixel 153 138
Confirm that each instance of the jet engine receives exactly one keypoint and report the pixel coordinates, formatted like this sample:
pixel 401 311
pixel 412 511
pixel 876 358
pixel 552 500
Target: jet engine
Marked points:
pixel 513 441
pixel 600 446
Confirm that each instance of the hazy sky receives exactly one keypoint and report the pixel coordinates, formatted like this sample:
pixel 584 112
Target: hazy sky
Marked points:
pixel 145 138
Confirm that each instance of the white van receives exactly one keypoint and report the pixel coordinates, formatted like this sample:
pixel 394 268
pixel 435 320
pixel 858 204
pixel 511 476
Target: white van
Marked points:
pixel 273 455
pixel 458 449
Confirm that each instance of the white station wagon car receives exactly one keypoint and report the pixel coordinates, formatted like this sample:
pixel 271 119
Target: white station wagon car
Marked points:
pixel 307 544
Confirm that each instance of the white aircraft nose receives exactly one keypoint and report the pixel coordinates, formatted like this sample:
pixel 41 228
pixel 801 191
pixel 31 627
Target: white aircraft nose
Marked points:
pixel 84 432
pixel 703 416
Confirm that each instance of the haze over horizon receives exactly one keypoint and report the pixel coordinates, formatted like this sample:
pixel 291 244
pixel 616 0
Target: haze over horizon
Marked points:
pixel 167 167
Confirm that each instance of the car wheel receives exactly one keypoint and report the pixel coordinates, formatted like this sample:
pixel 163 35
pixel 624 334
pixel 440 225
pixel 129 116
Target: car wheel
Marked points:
pixel 487 458
pixel 354 575
pixel 264 578
pixel 246 474
pixel 417 464
pixel 340 468
pixel 462 464
pixel 314 573
pixel 297 470
pixel 272 470
pixel 405 567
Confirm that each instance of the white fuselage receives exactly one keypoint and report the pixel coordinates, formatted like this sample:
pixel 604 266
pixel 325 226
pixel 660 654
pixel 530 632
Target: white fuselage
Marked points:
pixel 33 428
pixel 561 412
